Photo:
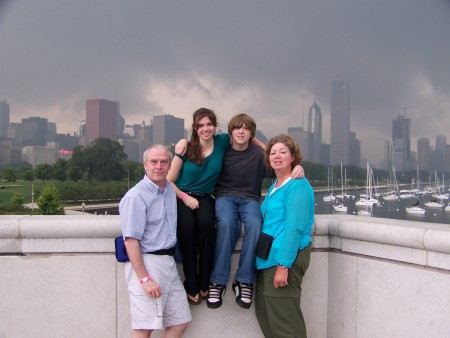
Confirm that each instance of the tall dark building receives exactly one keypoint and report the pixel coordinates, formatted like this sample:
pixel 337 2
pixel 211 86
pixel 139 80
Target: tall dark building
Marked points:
pixel 102 119
pixel 167 129
pixel 34 131
pixel 423 154
pixel 315 128
pixel 401 143
pixel 4 118
pixel 340 122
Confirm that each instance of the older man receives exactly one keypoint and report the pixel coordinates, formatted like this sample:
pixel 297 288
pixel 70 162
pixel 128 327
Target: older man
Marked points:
pixel 148 216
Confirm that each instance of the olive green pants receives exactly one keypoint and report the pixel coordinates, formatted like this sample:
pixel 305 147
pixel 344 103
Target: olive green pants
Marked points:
pixel 278 310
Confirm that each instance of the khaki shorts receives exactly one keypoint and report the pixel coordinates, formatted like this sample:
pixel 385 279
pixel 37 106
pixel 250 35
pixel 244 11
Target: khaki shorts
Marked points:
pixel 170 309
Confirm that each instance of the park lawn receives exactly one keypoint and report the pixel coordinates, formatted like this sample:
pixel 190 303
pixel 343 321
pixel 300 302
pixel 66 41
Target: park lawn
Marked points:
pixel 7 190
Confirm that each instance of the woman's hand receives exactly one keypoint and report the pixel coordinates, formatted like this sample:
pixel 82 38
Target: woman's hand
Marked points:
pixel 181 146
pixel 190 202
pixel 281 277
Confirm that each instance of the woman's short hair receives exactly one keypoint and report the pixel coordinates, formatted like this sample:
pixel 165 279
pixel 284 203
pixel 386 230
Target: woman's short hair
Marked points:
pixel 290 144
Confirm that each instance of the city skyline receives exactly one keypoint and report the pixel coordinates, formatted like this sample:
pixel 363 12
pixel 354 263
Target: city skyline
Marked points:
pixel 266 59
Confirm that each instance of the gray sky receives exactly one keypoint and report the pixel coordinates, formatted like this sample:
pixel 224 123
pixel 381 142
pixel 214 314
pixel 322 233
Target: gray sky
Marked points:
pixel 270 59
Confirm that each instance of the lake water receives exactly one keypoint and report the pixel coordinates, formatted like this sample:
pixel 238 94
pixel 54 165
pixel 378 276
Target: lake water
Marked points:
pixel 387 209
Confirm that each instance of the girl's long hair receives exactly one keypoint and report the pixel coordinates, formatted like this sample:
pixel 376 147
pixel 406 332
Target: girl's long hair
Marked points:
pixel 194 149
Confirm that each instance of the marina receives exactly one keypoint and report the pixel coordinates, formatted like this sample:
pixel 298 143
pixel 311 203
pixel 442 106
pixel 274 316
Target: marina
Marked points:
pixel 394 208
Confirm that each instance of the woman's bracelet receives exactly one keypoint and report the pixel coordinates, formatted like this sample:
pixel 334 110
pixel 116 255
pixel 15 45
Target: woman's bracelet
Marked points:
pixel 183 196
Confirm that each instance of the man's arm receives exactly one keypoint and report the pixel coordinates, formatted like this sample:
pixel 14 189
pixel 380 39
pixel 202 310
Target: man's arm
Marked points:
pixel 258 143
pixel 135 256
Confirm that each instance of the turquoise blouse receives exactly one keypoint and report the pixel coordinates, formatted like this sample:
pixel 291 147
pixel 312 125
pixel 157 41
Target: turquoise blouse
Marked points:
pixel 288 216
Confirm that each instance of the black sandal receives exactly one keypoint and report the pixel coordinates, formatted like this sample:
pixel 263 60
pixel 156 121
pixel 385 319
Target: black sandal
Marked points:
pixel 191 299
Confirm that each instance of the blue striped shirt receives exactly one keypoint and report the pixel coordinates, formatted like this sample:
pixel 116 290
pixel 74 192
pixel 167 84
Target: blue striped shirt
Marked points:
pixel 149 214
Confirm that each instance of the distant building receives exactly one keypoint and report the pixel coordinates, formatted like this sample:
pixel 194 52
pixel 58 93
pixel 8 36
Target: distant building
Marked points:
pixel 447 157
pixel 65 154
pixel 34 131
pixel 4 118
pixel 36 155
pixel 81 128
pixel 103 119
pixel 324 158
pixel 66 141
pixel 401 143
pixel 167 129
pixel 15 131
pixel 51 132
pixel 5 152
pixel 259 135
pixel 355 149
pixel 340 122
pixel 133 148
pixel 304 140
pixel 440 152
pixel 315 128
pixel 375 150
pixel 423 154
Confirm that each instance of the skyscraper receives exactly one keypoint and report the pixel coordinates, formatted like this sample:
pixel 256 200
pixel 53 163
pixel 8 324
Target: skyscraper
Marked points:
pixel 4 118
pixel 34 131
pixel 340 122
pixel 315 128
pixel 440 152
pixel 304 140
pixel 375 150
pixel 401 143
pixel 423 154
pixel 102 119
pixel 167 129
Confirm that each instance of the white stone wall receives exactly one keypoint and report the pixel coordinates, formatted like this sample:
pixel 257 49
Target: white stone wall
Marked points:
pixel 368 277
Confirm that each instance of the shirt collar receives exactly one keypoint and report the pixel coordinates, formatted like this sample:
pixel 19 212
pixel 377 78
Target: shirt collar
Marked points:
pixel 152 186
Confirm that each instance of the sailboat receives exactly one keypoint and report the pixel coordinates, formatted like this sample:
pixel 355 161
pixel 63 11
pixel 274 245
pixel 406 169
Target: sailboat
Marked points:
pixel 329 197
pixel 434 203
pixel 341 195
pixel 447 208
pixel 415 208
pixel 441 195
pixel 367 199
pixel 392 194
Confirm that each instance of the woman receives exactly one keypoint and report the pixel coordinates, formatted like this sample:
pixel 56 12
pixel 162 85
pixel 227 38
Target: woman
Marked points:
pixel 288 212
pixel 194 176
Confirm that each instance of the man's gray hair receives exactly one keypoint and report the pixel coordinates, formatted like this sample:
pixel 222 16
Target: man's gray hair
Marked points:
pixel 144 157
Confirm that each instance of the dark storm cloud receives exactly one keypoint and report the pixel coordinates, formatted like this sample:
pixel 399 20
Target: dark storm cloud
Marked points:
pixel 270 59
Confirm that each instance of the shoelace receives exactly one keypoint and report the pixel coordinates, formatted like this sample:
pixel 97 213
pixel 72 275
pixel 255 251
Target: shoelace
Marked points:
pixel 215 291
pixel 246 291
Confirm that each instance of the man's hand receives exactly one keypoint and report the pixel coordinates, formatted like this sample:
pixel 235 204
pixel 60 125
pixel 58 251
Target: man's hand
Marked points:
pixel 152 288
pixel 298 172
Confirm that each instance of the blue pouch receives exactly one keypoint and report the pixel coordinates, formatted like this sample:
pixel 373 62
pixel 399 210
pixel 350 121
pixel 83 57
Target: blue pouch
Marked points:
pixel 121 250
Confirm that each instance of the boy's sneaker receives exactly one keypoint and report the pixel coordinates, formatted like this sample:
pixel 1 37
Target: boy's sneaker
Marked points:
pixel 244 294
pixel 215 293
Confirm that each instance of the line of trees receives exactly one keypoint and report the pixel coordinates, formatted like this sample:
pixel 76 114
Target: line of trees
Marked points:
pixel 102 160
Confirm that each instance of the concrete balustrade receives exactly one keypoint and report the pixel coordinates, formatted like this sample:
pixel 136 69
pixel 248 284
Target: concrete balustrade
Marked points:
pixel 369 277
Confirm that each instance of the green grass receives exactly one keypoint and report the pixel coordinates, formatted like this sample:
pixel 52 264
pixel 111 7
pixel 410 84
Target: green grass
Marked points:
pixel 7 190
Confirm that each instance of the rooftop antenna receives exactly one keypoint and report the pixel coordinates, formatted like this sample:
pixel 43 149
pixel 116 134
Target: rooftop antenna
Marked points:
pixel 405 109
